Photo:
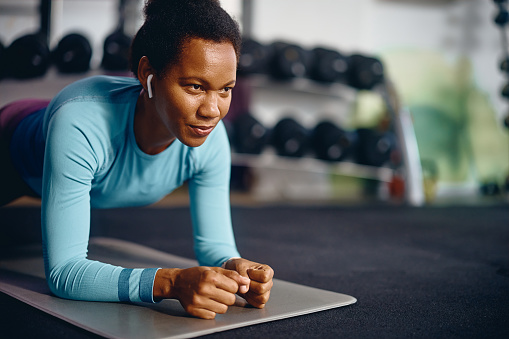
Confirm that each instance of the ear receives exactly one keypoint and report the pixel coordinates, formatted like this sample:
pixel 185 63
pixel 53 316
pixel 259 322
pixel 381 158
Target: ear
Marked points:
pixel 144 70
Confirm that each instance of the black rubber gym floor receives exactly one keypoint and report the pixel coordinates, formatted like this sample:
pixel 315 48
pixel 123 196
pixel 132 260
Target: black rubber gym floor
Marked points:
pixel 432 272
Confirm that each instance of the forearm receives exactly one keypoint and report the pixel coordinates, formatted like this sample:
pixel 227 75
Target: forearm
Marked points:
pixel 90 280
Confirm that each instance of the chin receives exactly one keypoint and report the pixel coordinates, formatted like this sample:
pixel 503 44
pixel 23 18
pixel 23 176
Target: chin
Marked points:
pixel 193 142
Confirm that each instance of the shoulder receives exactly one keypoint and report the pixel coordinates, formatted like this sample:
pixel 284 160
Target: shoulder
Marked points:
pixel 93 100
pixel 92 111
pixel 96 89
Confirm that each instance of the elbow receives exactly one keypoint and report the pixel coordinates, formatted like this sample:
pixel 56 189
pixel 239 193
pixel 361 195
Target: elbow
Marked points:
pixel 55 286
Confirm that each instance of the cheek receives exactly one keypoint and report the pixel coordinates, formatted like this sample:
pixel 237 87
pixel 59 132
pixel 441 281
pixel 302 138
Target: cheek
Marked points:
pixel 181 106
pixel 225 106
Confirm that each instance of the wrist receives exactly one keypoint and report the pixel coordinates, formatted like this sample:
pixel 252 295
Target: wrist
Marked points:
pixel 225 263
pixel 164 283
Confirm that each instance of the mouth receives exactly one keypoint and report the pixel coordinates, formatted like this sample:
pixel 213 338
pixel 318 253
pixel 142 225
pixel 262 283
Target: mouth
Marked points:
pixel 201 131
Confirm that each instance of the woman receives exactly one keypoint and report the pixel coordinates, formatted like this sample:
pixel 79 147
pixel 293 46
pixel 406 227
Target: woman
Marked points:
pixel 113 142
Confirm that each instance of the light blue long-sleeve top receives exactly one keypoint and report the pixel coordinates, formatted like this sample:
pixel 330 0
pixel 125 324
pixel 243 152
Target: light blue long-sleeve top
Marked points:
pixel 81 152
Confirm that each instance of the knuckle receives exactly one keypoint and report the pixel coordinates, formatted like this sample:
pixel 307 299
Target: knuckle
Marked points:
pixel 231 299
pixel 203 289
pixel 268 273
pixel 265 298
pixel 195 300
pixel 222 309
pixel 208 275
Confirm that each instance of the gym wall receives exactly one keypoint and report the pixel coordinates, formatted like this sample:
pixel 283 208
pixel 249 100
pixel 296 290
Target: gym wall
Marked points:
pixel 443 56
pixel 437 52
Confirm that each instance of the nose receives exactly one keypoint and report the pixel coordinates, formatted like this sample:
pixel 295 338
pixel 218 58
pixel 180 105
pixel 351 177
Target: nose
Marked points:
pixel 209 107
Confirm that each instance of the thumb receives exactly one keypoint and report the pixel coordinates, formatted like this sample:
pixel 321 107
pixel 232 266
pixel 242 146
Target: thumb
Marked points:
pixel 261 274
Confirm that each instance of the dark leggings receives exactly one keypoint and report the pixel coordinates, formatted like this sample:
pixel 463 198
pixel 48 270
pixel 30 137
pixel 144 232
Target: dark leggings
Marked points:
pixel 12 185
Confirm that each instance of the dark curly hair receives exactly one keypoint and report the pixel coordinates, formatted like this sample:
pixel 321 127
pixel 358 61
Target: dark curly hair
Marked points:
pixel 169 24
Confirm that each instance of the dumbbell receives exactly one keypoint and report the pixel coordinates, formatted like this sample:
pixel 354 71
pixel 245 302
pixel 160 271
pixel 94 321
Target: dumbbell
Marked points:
pixel 28 56
pixel 249 135
pixel 290 138
pixel 505 91
pixel 73 54
pixel 364 72
pixel 116 51
pixel 504 65
pixel 490 188
pixel 502 17
pixel 375 147
pixel 288 61
pixel 254 57
pixel 328 65
pixel 332 143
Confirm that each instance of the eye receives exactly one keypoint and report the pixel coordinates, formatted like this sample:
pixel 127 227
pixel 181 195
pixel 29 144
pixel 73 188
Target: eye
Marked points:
pixel 196 87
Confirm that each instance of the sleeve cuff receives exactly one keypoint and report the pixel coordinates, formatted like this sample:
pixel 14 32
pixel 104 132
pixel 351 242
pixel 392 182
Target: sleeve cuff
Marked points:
pixel 135 285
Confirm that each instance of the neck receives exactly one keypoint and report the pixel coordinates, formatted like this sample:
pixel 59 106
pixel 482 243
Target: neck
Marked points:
pixel 147 127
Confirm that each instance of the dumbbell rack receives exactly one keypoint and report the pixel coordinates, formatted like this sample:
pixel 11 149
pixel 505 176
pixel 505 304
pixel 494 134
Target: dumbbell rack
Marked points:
pixel 312 165
pixel 401 125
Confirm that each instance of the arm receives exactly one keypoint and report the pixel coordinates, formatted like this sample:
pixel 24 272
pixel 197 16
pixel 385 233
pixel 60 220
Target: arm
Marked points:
pixel 214 239
pixel 209 192
pixel 72 157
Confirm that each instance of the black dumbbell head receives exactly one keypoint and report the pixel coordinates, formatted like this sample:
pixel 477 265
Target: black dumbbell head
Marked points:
pixel 506 121
pixel 28 56
pixel 290 138
pixel 254 57
pixel 504 65
pixel 502 17
pixel 505 91
pixel 490 188
pixel 328 65
pixel 116 52
pixel 365 72
pixel 73 54
pixel 249 135
pixel 375 147
pixel 332 143
pixel 288 61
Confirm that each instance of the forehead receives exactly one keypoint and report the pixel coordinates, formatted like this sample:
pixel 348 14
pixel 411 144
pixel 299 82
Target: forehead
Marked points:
pixel 201 58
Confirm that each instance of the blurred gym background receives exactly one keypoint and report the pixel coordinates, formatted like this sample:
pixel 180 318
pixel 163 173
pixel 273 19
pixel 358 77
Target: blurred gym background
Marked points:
pixel 347 102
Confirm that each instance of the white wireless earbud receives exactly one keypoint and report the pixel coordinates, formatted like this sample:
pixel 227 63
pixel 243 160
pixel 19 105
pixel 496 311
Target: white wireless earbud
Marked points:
pixel 149 86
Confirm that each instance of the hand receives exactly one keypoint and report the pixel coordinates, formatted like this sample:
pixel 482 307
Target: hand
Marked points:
pixel 261 280
pixel 202 291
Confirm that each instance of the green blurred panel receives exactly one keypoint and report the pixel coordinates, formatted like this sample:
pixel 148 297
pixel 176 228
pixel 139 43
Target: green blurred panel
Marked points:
pixel 455 123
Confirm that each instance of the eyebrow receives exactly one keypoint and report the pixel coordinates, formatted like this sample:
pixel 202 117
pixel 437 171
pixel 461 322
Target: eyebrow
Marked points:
pixel 232 82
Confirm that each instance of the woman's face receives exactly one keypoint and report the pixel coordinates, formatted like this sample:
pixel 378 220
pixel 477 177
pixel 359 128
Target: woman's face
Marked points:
pixel 195 94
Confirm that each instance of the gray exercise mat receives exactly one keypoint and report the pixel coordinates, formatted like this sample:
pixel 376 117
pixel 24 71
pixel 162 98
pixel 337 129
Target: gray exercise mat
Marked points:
pixel 22 277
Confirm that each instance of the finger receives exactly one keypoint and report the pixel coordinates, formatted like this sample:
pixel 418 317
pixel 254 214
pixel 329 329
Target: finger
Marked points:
pixel 241 283
pixel 260 288
pixel 223 297
pixel 257 300
pixel 208 310
pixel 202 313
pixel 261 273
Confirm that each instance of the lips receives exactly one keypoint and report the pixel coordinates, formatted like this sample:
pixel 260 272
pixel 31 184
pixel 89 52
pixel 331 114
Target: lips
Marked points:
pixel 201 131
